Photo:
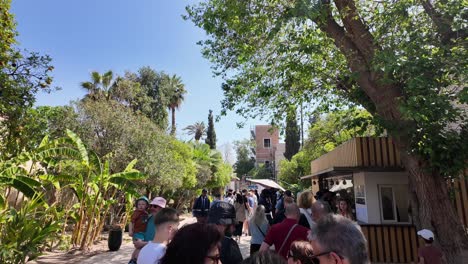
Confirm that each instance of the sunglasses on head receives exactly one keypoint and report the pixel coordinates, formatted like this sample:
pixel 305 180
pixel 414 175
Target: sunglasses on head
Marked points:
pixel 309 259
pixel 154 206
pixel 215 258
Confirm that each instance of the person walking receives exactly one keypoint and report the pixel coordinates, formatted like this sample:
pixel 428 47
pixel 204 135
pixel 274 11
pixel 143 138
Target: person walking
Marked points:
pixel 258 227
pixel 283 234
pixel 201 207
pixel 265 200
pixel 223 215
pixel 305 201
pixel 240 206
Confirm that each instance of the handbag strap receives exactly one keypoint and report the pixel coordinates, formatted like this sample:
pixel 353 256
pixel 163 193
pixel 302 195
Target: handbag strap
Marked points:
pixel 286 239
pixel 259 229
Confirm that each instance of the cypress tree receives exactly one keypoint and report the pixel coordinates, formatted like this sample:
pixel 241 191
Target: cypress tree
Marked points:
pixel 210 133
pixel 292 135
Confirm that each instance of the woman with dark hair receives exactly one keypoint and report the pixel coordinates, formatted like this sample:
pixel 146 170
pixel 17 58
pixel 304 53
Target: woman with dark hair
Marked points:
pixel 300 252
pixel 241 206
pixel 194 244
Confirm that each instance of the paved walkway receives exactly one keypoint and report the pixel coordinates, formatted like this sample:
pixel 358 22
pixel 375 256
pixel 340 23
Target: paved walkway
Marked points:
pixel 122 256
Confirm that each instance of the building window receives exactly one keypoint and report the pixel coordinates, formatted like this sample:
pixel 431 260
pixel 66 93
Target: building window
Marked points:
pixel 394 203
pixel 387 204
pixel 266 143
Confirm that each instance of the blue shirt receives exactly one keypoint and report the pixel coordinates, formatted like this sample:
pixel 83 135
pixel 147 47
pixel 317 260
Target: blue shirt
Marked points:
pixel 251 202
pixel 257 236
pixel 279 204
pixel 150 229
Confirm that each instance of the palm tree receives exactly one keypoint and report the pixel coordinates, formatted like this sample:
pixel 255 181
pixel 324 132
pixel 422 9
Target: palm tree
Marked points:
pixel 198 130
pixel 99 86
pixel 176 89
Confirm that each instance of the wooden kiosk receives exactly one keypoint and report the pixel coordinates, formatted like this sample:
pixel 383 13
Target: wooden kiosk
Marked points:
pixel 368 172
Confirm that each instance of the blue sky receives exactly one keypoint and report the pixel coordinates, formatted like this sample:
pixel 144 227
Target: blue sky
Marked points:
pixel 86 35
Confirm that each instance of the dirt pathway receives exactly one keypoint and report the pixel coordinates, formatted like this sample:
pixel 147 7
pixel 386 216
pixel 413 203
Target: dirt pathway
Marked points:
pixel 101 255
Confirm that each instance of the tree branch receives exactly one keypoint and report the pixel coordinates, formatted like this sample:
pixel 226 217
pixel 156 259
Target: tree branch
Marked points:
pixel 357 31
pixel 442 23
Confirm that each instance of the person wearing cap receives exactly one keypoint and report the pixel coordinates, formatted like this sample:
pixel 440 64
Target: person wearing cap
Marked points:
pixel 428 254
pixel 201 207
pixel 223 215
pixel 155 206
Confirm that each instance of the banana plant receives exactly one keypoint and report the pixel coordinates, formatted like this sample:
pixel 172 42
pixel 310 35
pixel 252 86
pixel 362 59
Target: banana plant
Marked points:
pixel 14 176
pixel 91 180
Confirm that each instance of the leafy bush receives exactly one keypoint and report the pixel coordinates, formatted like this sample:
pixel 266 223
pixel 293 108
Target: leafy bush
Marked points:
pixel 25 232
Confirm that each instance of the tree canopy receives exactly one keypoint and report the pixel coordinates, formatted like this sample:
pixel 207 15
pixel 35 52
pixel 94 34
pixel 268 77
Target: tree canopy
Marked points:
pixel 400 60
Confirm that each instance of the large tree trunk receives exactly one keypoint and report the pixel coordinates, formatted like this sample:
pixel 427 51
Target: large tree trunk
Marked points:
pixel 431 206
pixel 434 209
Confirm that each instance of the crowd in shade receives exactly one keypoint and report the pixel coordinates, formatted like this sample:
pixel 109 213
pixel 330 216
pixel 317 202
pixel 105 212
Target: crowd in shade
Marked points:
pixel 282 229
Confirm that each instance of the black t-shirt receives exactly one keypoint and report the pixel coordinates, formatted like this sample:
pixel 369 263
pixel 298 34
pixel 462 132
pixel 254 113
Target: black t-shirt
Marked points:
pixel 230 252
pixel 303 221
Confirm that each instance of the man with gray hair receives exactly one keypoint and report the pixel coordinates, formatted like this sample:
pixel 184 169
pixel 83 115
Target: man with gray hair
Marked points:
pixel 336 239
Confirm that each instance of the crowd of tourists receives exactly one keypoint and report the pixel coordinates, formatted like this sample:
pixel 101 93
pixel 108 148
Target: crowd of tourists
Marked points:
pixel 282 229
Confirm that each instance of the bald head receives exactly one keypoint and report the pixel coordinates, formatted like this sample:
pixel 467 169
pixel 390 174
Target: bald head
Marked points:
pixel 291 211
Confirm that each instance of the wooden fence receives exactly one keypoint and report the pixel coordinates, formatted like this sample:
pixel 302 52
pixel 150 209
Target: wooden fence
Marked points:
pixel 400 243
pixel 392 243
pixel 458 189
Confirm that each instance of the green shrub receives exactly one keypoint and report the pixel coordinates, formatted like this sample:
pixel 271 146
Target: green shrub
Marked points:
pixel 24 233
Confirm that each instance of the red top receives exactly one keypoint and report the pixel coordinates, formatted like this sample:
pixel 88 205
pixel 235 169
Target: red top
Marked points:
pixel 431 254
pixel 139 221
pixel 278 233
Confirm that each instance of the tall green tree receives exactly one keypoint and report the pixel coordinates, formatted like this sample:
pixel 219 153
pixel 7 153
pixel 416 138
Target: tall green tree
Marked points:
pixel 198 130
pixel 99 86
pixel 245 159
pixel 398 59
pixel 173 84
pixel 293 135
pixel 151 83
pixel 210 132
pixel 22 75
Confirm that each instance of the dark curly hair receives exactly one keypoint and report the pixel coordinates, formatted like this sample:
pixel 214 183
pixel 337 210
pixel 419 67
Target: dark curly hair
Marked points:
pixel 191 244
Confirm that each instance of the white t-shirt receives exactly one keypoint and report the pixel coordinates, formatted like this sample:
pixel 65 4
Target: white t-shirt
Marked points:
pixel 151 253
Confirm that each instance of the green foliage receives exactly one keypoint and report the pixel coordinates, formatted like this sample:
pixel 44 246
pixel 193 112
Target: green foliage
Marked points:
pixel 21 80
pixel 96 188
pixel 331 130
pixel 274 54
pixel 210 133
pixel 7 32
pixel 25 232
pixel 198 130
pixel 245 157
pixel 261 172
pixel 292 140
pixel 176 91
pixel 221 177
pixel 99 86
pixel 325 133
